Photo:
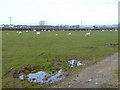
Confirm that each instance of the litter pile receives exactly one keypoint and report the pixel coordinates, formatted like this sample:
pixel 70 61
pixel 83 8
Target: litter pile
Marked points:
pixel 74 63
pixel 43 77
pixel 33 75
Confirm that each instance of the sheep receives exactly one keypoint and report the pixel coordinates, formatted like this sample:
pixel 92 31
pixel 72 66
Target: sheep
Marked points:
pixel 87 34
pixel 48 30
pixel 44 30
pixel 56 34
pixel 27 31
pixel 69 34
pixel 102 30
pixel 34 30
pixel 37 33
pixel 19 32
pixel 41 30
pixel 53 30
pixel 110 30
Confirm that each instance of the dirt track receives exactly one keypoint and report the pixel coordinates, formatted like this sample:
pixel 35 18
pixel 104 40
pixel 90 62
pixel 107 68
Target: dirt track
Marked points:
pixel 101 75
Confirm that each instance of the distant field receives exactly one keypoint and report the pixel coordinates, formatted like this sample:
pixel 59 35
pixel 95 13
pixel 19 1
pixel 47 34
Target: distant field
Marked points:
pixel 45 50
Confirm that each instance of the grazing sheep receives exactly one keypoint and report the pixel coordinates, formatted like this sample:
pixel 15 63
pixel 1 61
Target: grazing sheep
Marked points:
pixel 26 31
pixel 37 33
pixel 102 30
pixel 19 32
pixel 110 30
pixel 44 30
pixel 34 30
pixel 87 34
pixel 41 30
pixel 48 30
pixel 69 34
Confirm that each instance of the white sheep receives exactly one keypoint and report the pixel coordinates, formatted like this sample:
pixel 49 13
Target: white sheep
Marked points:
pixel 56 34
pixel 41 30
pixel 48 30
pixel 87 34
pixel 34 30
pixel 37 33
pixel 102 30
pixel 110 30
pixel 27 31
pixel 69 34
pixel 53 30
pixel 19 32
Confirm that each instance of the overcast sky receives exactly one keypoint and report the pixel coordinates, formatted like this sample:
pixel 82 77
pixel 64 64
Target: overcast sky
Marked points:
pixel 54 12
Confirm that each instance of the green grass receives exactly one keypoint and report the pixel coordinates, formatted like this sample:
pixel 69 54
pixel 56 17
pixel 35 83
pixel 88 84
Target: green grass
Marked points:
pixel 44 51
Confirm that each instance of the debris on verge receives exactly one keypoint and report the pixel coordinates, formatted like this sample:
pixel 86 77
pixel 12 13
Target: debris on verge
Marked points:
pixel 43 77
pixel 74 63
pixel 33 75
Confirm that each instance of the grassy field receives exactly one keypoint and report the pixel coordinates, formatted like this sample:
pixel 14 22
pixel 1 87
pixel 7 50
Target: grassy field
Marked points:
pixel 44 51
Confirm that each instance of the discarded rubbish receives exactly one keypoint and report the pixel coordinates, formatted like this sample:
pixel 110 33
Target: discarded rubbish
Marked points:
pixel 37 77
pixel 89 80
pixel 96 83
pixel 43 77
pixel 75 63
pixel 57 77
pixel 21 77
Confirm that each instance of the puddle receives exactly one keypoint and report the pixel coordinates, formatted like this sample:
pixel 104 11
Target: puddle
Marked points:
pixel 43 77
pixel 74 63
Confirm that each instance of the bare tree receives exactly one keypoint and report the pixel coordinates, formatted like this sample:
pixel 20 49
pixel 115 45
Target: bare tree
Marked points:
pixel 42 22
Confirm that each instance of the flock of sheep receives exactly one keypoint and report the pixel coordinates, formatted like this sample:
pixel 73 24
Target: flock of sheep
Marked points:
pixel 69 34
